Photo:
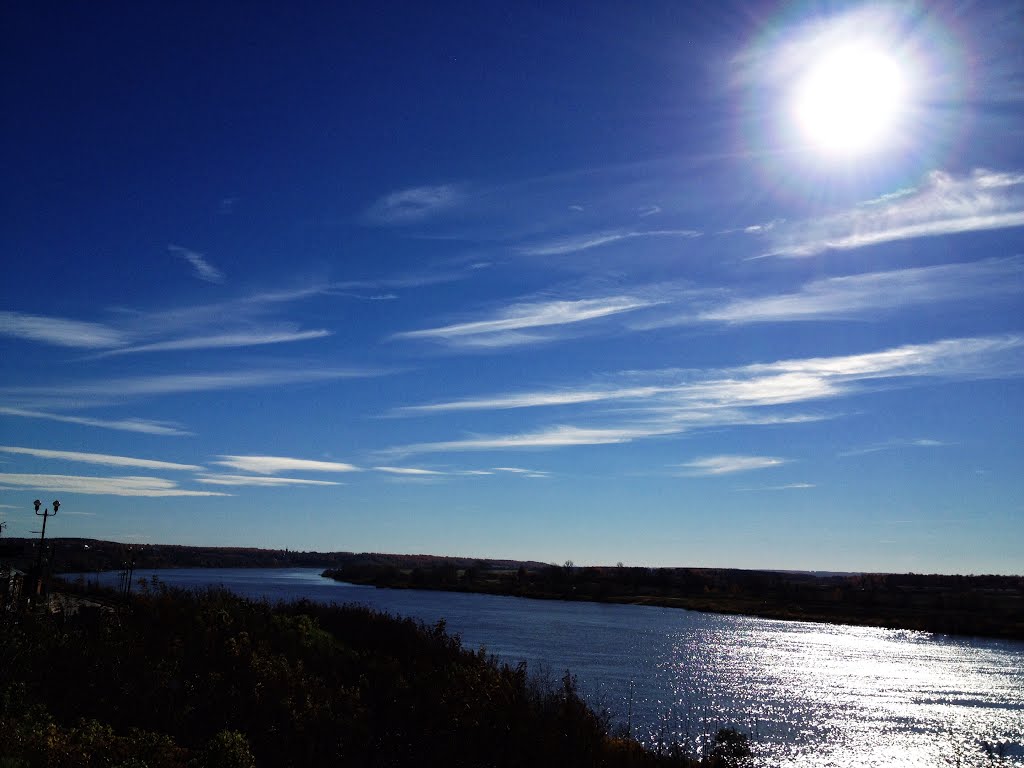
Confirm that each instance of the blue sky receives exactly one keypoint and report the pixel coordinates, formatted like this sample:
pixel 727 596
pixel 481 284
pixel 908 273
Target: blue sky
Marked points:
pixel 659 283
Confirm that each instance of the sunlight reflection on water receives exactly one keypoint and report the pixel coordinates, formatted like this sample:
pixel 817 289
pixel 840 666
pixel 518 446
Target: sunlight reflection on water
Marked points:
pixel 840 695
pixel 808 694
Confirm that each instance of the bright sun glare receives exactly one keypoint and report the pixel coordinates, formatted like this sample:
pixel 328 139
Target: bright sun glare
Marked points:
pixel 850 101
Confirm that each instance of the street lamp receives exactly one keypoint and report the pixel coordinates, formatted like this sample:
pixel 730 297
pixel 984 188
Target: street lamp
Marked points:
pixel 42 537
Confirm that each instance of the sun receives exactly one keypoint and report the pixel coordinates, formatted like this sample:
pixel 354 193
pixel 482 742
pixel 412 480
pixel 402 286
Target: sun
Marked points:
pixel 851 100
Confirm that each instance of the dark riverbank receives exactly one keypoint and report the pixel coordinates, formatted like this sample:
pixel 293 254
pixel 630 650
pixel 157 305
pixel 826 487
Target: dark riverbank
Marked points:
pixel 989 606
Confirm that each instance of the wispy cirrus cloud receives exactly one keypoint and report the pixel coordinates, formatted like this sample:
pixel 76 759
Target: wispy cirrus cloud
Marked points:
pixel 244 321
pixel 142 426
pixel 896 444
pixel 433 473
pixel 97 458
pixel 787 487
pixel 503 326
pixel 240 322
pixel 221 341
pixel 409 206
pixel 749 395
pixel 971 357
pixel 59 331
pixel 856 296
pixel 193 319
pixel 577 243
pixel 260 481
pixel 169 384
pixel 270 465
pixel 409 471
pixel 521 472
pixel 943 205
pixel 779 383
pixel 730 464
pixel 533 400
pixel 203 269
pixel 102 486
pixel 552 437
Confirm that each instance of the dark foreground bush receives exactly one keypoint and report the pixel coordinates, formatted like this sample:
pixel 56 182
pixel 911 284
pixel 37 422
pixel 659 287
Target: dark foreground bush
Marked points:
pixel 212 680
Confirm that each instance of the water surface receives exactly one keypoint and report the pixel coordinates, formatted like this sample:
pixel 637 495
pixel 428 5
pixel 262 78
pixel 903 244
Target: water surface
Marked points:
pixel 808 694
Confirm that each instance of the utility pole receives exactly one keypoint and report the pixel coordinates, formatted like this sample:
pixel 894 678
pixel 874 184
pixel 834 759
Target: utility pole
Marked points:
pixel 42 541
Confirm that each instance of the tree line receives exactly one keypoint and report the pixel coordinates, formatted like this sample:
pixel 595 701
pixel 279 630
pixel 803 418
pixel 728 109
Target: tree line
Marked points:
pixel 985 605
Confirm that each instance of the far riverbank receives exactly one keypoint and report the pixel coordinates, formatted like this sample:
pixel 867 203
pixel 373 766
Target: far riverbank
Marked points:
pixel 987 606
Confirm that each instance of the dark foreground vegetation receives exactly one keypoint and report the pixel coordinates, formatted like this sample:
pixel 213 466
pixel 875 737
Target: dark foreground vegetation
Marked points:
pixel 208 679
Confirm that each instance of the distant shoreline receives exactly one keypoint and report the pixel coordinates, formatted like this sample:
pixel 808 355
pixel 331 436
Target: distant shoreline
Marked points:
pixel 984 606
pixel 918 607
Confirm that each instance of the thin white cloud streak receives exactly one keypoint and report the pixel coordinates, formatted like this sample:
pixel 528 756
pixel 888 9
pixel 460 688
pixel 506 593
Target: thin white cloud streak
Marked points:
pixel 944 205
pixel 597 239
pixel 409 206
pixel 695 400
pixel 545 314
pixel 787 487
pixel 855 296
pixel 270 465
pixel 142 426
pixel 194 319
pixel 972 357
pixel 558 436
pixel 730 464
pixel 411 471
pixel 204 270
pixel 221 341
pixel 98 458
pixel 500 340
pixel 102 486
pixel 234 323
pixel 58 331
pixel 534 400
pixel 170 384
pixel 244 321
pixel 778 383
pixel 259 481
pixel 893 445
pixel 403 282
pixel 520 472
pixel 419 472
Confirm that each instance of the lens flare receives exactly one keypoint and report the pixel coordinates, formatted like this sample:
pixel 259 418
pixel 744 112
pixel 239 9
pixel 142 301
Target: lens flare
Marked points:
pixel 850 101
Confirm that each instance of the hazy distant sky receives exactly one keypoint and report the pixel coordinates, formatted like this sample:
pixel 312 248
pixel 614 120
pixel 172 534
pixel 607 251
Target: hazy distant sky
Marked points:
pixel 667 283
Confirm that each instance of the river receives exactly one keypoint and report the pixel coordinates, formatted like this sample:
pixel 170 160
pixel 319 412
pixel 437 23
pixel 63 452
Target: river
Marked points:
pixel 807 694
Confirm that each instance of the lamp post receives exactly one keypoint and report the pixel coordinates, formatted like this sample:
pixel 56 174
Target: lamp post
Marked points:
pixel 42 539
